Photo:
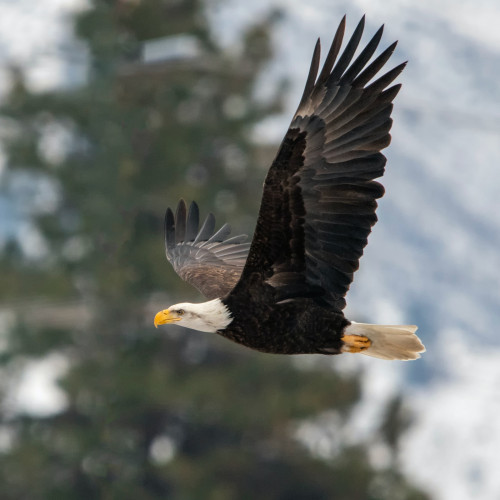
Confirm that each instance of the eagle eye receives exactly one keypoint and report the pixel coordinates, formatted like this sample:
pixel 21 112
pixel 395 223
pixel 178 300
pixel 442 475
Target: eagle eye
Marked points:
pixel 180 312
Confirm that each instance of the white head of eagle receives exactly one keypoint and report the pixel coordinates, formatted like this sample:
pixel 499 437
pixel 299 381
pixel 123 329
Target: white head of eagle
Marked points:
pixel 208 316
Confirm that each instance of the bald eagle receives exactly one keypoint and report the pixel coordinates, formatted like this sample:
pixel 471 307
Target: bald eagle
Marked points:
pixel 285 292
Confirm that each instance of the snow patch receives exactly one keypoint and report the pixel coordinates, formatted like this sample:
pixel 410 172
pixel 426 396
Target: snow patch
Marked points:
pixel 453 449
pixel 35 391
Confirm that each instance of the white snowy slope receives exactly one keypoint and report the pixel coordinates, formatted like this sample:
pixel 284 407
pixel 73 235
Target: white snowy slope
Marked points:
pixel 453 448
pixel 433 258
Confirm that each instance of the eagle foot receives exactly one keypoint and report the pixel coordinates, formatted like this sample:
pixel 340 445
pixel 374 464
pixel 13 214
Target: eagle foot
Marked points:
pixel 355 343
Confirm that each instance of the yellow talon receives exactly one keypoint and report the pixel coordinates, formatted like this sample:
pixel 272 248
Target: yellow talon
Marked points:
pixel 355 343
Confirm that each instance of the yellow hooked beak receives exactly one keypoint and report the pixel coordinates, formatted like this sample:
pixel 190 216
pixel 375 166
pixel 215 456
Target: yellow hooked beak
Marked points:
pixel 166 316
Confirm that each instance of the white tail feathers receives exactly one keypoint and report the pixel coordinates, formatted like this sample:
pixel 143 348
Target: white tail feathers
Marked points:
pixel 389 341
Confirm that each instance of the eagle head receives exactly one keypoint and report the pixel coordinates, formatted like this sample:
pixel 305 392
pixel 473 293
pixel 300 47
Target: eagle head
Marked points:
pixel 208 316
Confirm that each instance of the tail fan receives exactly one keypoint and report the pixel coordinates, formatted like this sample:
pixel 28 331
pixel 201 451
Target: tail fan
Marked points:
pixel 388 341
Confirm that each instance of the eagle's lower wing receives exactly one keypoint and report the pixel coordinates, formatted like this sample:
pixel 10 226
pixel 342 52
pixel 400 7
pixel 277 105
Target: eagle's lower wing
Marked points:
pixel 319 199
pixel 206 259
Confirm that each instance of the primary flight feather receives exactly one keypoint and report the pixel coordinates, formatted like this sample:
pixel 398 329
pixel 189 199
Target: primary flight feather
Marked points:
pixel 285 291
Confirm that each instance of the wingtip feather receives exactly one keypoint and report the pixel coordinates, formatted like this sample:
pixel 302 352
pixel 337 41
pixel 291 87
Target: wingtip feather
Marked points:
pixel 169 229
pixel 193 221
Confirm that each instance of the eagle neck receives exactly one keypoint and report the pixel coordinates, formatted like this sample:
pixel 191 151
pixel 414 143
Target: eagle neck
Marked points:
pixel 215 314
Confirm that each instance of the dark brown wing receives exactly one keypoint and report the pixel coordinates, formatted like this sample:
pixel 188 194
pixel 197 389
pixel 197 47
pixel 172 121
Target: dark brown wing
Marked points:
pixel 208 260
pixel 319 199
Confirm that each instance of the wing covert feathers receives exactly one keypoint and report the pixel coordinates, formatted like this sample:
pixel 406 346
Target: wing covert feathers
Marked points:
pixel 208 260
pixel 319 199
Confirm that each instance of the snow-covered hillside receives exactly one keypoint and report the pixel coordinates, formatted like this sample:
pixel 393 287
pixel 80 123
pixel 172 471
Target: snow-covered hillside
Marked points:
pixel 433 258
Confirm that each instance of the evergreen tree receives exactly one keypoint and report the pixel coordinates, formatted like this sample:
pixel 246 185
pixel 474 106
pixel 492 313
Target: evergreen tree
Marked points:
pixel 156 413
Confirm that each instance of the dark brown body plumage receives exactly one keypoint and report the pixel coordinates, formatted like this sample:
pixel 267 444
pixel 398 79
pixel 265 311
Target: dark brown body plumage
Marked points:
pixel 283 327
pixel 286 291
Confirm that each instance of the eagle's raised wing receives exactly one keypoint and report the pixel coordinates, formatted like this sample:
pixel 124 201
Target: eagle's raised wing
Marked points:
pixel 206 259
pixel 319 199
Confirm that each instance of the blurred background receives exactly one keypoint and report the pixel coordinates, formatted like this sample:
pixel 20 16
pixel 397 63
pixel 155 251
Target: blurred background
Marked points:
pixel 113 110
